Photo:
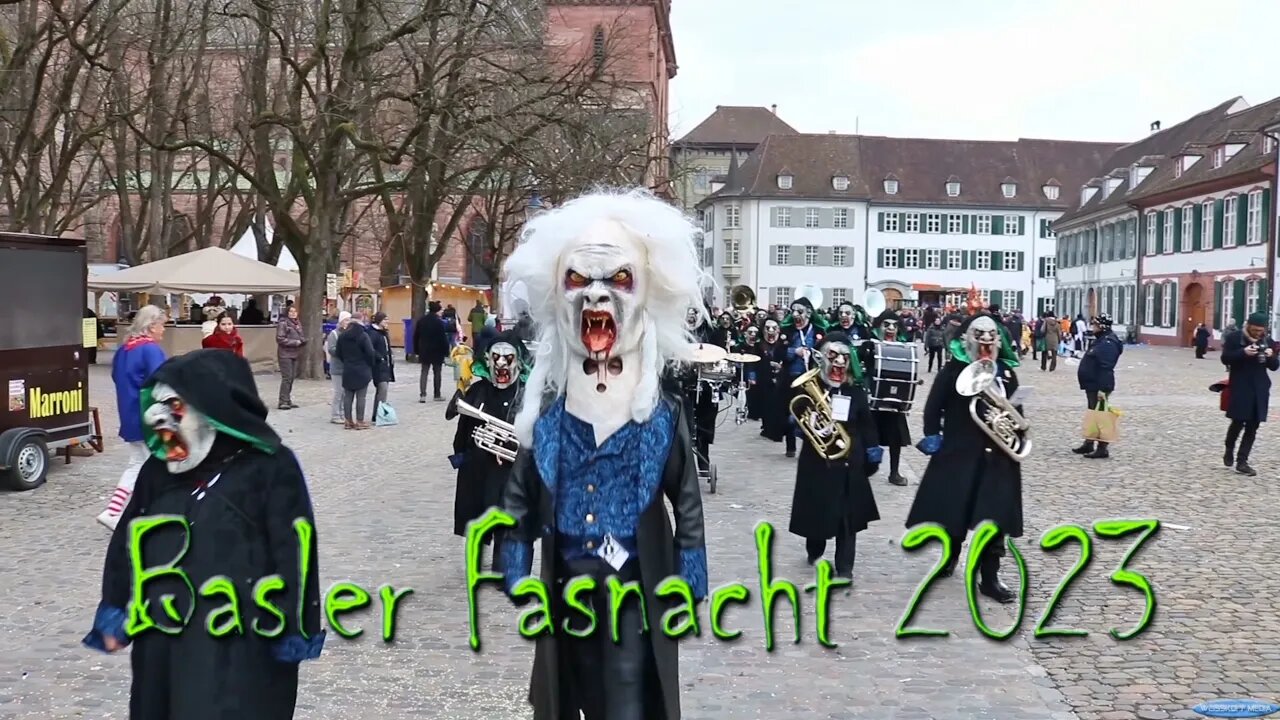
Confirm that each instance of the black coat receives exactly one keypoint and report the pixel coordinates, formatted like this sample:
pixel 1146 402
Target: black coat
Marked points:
pixel 527 499
pixel 1250 384
pixel 969 480
pixel 830 491
pixel 766 400
pixel 384 366
pixel 430 340
pixel 355 350
pixel 1097 371
pixel 1202 338
pixel 481 477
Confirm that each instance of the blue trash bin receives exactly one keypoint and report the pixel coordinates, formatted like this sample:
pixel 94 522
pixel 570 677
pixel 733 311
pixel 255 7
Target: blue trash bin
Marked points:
pixel 408 340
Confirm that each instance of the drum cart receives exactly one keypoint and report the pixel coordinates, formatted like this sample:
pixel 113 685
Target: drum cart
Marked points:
pixel 706 470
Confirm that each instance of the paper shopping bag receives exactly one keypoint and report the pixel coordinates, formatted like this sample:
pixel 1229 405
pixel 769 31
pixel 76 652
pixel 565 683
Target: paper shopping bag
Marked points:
pixel 1102 423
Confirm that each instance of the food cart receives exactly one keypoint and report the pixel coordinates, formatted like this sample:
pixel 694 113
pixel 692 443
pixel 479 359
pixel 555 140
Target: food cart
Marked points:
pixel 43 338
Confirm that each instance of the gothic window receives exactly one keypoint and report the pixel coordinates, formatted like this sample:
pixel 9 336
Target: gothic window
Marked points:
pixel 597 49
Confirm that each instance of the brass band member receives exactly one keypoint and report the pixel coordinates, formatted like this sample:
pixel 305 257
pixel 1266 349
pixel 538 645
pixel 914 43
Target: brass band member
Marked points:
pixel 768 378
pixel 891 426
pixel 806 332
pixel 1248 355
pixel 833 497
pixel 969 480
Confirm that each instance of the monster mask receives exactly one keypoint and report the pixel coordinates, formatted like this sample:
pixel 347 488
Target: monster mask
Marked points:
pixel 761 316
pixel 846 316
pixel 771 331
pixel 982 339
pixel 504 364
pixel 779 314
pixel 183 436
pixel 604 291
pixel 691 319
pixel 800 312
pixel 889 328
pixel 834 359
pixel 726 321
pixel 753 335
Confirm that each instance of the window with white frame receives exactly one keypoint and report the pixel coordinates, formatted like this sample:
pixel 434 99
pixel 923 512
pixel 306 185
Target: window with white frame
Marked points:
pixel 782 255
pixel 890 187
pixel 933 259
pixel 840 182
pixel 1050 267
pixel 1168 231
pixel 1188 228
pixel 891 222
pixel 954 299
pixel 911 258
pixel 784 182
pixel 1228 303
pixel 784 296
pixel 1253 230
pixel 1252 297
pixel 984 224
pixel 732 217
pixel 839 295
pixel 984 296
pixel 1049 302
pixel 891 258
pixel 838 256
pixel 1010 224
pixel 1131 242
pixel 933 223
pixel 953 189
pixel 1206 225
pixel 955 224
pixel 1229 222
pixel 954 260
pixel 1149 303
pixel 810 255
pixel 984 260
pixel 1151 233
pixel 732 250
pixel 1009 262
pixel 1010 301
pixel 811 217
pixel 1166 304
pixel 912 223
pixel 1009 189
pixel 840 218
pixel 784 217
pixel 1268 144
pixel 1219 157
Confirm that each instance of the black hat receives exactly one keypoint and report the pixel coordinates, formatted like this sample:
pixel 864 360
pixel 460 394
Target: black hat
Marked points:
pixel 886 315
pixel 1102 320
pixel 1257 318
pixel 801 301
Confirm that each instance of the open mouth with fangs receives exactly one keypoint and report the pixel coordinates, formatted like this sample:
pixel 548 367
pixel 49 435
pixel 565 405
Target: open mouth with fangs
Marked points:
pixel 174 449
pixel 502 376
pixel 986 351
pixel 836 374
pixel 599 332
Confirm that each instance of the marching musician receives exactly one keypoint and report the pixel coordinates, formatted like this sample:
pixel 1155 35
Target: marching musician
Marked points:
pixel 1097 376
pixel 852 321
pixel 767 379
pixel 1248 355
pixel 724 335
pixel 833 497
pixel 700 403
pixel 891 426
pixel 499 375
pixel 805 336
pixel 969 479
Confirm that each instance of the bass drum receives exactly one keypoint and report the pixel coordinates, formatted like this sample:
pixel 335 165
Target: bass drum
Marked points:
pixel 897 374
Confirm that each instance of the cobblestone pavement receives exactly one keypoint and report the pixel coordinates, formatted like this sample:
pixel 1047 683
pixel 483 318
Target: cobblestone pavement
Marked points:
pixel 384 498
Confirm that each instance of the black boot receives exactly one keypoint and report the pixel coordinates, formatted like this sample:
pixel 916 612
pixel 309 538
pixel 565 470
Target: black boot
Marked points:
pixel 896 479
pixel 1084 449
pixel 1243 468
pixel 1099 453
pixel 990 584
pixel 1229 457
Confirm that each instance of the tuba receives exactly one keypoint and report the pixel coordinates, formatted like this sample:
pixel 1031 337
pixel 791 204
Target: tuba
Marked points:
pixel 812 293
pixel 744 299
pixel 997 417
pixel 813 414
pixel 874 303
pixel 495 437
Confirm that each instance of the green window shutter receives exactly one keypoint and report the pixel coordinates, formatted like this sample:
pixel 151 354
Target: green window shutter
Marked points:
pixel 1197 226
pixel 1177 230
pixel 880 221
pixel 1264 302
pixel 997 298
pixel 997 225
pixel 1237 304
pixel 1217 306
pixel 946 222
pixel 1020 296
pixel 966 222
pixel 880 252
pixel 1022 260
pixel 1040 267
pixel 997 260
pixel 1242 218
pixel 964 259
pixel 1022 225
pixel 1160 239
pixel 1217 224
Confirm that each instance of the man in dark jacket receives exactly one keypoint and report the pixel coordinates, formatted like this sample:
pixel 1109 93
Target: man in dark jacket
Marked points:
pixel 1201 340
pixel 431 345
pixel 1097 375
pixel 1248 355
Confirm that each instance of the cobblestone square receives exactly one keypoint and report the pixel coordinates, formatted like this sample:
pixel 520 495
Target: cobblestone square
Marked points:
pixel 383 501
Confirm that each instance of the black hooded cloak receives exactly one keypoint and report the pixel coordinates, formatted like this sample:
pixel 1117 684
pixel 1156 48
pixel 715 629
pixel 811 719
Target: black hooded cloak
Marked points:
pixel 969 479
pixel 241 504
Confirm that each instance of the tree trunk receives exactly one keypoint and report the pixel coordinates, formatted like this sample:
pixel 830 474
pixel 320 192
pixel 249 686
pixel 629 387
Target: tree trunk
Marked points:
pixel 313 269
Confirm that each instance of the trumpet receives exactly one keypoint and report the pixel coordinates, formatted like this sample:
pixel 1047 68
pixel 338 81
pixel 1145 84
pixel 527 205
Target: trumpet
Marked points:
pixel 813 414
pixel 997 417
pixel 495 437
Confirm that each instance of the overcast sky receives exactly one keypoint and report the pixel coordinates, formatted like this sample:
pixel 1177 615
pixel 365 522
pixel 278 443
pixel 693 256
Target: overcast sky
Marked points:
pixel 979 69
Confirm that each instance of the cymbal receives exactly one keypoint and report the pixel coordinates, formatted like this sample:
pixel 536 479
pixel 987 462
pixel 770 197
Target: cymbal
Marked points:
pixel 706 353
pixel 742 357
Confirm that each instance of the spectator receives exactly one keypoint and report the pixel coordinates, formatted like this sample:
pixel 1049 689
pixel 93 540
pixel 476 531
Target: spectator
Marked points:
pixel 355 351
pixel 384 368
pixel 335 366
pixel 224 336
pixel 289 343
pixel 431 345
pixel 477 319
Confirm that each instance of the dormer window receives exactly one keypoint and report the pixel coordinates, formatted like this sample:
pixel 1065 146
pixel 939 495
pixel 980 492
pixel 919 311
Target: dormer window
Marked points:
pixel 953 186
pixel 891 185
pixel 784 182
pixel 1232 149
pixel 1051 191
pixel 1008 188
pixel 1268 144
pixel 1219 156
pixel 840 182
pixel 1111 185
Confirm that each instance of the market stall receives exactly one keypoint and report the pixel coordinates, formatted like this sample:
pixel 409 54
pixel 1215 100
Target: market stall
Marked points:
pixel 211 270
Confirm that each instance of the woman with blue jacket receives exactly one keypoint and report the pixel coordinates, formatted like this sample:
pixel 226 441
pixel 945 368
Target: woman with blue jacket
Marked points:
pixel 1097 375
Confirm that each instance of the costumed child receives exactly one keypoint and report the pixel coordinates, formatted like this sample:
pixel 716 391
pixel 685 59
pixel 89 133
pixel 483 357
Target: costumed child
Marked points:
pixel 969 479
pixel 610 278
pixel 891 426
pixel 500 373
pixel 833 497
pixel 246 515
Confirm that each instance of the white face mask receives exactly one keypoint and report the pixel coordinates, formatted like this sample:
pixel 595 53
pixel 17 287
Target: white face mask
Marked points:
pixel 834 359
pixel 982 339
pixel 604 289
pixel 185 434
pixel 503 365
pixel 801 315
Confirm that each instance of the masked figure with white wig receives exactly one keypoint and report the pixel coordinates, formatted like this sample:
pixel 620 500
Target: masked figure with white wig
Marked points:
pixel 610 278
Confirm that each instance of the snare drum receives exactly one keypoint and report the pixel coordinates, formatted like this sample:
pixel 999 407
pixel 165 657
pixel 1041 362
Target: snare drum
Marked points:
pixel 897 371
pixel 719 371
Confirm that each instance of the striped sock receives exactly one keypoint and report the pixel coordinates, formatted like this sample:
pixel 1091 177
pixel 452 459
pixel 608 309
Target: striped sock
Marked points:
pixel 119 500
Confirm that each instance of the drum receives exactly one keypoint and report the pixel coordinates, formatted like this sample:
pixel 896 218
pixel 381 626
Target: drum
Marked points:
pixel 897 372
pixel 717 372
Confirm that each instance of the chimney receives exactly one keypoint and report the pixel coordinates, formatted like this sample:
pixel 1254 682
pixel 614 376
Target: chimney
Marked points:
pixel 774 108
pixel 831 132
pixel 1155 126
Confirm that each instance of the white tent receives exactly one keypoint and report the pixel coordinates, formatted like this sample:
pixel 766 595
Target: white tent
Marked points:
pixel 247 246
pixel 211 270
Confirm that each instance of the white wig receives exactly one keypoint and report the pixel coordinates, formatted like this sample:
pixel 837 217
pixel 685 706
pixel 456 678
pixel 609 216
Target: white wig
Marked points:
pixel 675 281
